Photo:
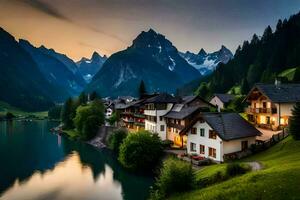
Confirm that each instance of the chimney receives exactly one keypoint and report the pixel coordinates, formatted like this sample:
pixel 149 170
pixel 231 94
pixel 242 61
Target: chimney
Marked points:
pixel 277 82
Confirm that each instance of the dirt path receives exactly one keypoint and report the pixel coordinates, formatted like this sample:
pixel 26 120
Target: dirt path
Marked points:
pixel 255 166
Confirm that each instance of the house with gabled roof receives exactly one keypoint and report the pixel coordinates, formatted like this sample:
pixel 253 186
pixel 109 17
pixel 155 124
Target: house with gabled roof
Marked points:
pixel 214 135
pixel 270 105
pixel 221 100
pixel 155 108
pixel 181 115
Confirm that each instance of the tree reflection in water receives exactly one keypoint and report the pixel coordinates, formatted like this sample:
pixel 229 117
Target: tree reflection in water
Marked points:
pixel 42 165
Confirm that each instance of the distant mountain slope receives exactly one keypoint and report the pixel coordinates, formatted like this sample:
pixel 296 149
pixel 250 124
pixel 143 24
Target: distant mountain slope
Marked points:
pixel 55 71
pixel 207 62
pixel 69 63
pixel 21 82
pixel 89 67
pixel 151 58
pixel 261 59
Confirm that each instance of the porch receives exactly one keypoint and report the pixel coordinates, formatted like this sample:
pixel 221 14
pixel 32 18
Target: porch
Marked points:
pixel 267 133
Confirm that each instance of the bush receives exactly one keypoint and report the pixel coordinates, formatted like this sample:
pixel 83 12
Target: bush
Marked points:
pixel 113 119
pixel 68 113
pixel 116 138
pixel 175 176
pixel 91 127
pixel 86 116
pixel 234 169
pixel 167 143
pixel 294 124
pixel 9 116
pixel 218 177
pixel 141 151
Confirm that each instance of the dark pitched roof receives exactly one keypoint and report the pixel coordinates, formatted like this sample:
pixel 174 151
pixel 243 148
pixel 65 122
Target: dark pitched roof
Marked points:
pixel 225 98
pixel 188 99
pixel 162 98
pixel 120 106
pixel 230 126
pixel 183 113
pixel 283 93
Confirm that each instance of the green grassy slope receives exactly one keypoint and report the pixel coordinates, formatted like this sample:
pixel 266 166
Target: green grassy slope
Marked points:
pixel 280 178
pixel 289 74
pixel 5 107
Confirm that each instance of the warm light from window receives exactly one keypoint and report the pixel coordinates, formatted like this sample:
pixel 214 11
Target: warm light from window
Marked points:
pixel 262 119
pixel 282 121
pixel 273 119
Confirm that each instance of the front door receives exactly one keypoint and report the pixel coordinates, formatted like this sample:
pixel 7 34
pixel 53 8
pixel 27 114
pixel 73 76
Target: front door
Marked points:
pixel 244 145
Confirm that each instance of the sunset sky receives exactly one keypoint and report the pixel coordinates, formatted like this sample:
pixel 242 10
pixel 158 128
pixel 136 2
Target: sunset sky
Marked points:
pixel 79 27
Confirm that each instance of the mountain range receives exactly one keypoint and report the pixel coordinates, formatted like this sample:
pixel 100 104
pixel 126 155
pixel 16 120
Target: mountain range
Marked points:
pixel 262 59
pixel 21 82
pixel 59 70
pixel 34 78
pixel 206 63
pixel 151 58
pixel 89 67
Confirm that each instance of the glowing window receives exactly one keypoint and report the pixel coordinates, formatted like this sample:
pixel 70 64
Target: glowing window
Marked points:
pixel 263 119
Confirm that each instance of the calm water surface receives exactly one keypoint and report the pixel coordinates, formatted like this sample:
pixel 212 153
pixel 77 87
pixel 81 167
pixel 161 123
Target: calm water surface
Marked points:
pixel 36 164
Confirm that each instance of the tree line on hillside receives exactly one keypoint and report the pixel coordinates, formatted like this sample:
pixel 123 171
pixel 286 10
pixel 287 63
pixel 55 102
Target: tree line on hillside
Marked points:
pixel 83 117
pixel 258 60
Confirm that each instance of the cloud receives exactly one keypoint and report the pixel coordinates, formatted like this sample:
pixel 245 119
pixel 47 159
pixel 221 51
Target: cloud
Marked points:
pixel 46 8
pixel 51 11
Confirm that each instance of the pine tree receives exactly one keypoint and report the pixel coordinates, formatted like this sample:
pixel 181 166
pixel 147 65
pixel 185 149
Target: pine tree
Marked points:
pixel 245 87
pixel 203 91
pixel 267 34
pixel 67 114
pixel 142 89
pixel 294 122
pixel 82 99
pixel 279 25
pixel 296 78
pixel 94 96
pixel 255 40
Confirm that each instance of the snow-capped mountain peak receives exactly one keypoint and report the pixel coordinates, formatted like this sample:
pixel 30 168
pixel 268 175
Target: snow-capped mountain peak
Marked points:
pixel 88 67
pixel 207 62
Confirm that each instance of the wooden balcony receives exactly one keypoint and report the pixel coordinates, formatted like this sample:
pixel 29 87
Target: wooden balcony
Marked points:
pixel 261 110
pixel 139 115
pixel 128 120
pixel 178 126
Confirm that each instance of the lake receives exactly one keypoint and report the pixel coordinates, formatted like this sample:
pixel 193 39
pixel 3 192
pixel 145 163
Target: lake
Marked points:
pixel 37 164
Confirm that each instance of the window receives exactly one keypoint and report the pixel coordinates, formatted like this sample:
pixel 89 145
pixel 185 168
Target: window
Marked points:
pixel 268 120
pixel 162 128
pixel 192 146
pixel 160 118
pixel 244 145
pixel 212 134
pixel 194 131
pixel 202 132
pixel 202 149
pixel 212 152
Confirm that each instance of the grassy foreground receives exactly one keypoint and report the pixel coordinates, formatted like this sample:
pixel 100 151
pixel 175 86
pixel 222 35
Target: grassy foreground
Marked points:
pixel 280 178
pixel 5 107
pixel 289 73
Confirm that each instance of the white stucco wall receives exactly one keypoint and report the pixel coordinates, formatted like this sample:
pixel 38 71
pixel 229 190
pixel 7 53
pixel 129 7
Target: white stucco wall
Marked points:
pixel 217 102
pixel 222 147
pixel 156 127
pixel 207 142
pixel 236 145
pixel 286 109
